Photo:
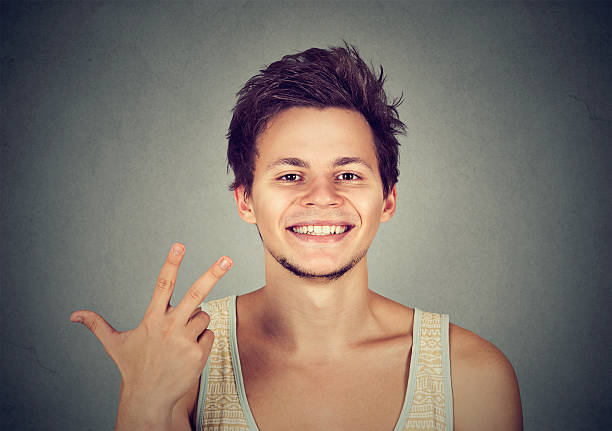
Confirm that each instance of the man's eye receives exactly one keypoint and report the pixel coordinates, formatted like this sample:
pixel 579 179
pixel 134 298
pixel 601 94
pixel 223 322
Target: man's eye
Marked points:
pixel 290 177
pixel 347 176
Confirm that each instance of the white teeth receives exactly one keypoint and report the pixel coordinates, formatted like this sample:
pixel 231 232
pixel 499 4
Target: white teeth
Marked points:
pixel 320 230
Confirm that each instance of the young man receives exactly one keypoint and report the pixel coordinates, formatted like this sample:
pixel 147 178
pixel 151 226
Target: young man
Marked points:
pixel 313 147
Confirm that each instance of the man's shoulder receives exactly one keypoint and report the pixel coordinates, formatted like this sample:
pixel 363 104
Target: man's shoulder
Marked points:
pixel 485 387
pixel 471 349
pixel 475 359
pixel 395 316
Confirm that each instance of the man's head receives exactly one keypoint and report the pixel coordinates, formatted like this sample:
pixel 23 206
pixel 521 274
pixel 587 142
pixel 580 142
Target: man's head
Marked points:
pixel 312 144
pixel 336 77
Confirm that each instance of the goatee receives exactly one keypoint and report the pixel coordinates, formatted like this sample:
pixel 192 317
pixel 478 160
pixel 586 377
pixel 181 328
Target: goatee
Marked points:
pixel 303 273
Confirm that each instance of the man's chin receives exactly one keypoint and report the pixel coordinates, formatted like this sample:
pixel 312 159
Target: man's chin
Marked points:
pixel 316 275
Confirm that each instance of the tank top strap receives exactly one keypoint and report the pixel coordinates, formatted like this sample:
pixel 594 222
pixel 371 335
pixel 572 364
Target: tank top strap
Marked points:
pixel 431 407
pixel 218 403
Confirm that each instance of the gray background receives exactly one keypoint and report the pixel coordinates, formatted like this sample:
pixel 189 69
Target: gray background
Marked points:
pixel 113 123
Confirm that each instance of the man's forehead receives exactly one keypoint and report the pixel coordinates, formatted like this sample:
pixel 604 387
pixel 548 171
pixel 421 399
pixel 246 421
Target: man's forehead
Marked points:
pixel 306 132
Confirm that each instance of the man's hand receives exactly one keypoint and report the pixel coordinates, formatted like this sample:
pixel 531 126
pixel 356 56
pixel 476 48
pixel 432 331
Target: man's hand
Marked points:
pixel 161 358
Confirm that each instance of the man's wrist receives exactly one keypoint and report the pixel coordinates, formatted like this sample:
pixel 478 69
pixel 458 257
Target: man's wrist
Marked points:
pixel 136 413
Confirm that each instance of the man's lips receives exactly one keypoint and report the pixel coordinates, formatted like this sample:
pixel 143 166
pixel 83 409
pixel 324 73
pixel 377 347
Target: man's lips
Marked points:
pixel 321 231
pixel 321 227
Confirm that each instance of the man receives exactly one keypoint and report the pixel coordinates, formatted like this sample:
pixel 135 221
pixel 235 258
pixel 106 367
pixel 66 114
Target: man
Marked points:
pixel 313 147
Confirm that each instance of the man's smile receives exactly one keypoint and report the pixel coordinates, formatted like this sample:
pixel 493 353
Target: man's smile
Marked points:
pixel 320 232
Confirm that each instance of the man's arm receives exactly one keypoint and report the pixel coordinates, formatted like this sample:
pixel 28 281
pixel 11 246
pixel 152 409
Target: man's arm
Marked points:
pixel 485 389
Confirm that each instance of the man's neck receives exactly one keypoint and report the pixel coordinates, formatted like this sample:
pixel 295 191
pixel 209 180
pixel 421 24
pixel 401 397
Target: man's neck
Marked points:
pixel 305 317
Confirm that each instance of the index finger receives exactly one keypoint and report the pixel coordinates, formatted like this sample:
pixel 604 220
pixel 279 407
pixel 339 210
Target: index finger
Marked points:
pixel 202 287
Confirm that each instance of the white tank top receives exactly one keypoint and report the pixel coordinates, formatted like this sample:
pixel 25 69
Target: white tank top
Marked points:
pixel 428 404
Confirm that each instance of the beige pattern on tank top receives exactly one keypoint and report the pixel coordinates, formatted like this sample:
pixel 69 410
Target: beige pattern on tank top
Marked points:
pixel 223 412
pixel 427 411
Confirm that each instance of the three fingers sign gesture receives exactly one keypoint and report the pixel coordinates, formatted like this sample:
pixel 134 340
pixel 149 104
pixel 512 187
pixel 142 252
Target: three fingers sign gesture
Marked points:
pixel 165 354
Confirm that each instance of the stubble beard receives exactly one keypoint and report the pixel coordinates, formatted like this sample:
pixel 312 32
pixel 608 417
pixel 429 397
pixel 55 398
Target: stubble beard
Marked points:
pixel 305 273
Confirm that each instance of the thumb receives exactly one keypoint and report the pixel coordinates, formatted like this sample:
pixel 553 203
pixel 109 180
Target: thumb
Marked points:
pixel 104 332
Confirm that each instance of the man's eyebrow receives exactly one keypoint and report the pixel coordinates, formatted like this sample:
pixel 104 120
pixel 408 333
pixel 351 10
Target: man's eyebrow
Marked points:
pixel 343 161
pixel 294 161
pixel 291 161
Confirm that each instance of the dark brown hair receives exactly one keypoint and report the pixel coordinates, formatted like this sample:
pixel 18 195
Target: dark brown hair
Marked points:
pixel 334 77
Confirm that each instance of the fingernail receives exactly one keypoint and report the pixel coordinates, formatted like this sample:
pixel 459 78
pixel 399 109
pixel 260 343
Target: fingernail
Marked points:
pixel 177 250
pixel 78 319
pixel 224 264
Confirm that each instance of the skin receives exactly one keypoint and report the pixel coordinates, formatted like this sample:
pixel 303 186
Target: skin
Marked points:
pixel 315 325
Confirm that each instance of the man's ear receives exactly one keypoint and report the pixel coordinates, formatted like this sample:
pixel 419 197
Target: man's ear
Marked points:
pixel 245 210
pixel 389 205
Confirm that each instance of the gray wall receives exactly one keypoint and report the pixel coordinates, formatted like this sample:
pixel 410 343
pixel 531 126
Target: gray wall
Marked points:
pixel 113 123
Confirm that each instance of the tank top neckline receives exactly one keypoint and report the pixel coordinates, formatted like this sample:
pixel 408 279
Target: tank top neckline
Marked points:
pixel 244 404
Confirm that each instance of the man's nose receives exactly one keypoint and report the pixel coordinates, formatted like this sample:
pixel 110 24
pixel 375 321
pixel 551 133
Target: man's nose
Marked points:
pixel 321 192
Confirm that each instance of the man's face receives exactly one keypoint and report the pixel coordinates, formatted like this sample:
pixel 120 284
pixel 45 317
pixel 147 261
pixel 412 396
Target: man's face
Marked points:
pixel 317 194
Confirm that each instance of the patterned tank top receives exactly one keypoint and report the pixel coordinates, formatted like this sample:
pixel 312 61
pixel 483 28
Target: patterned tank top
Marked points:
pixel 428 403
